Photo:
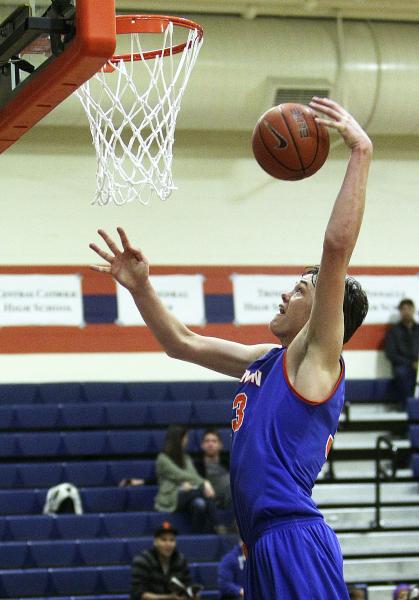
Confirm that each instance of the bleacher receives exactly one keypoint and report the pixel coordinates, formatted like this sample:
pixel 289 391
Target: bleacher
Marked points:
pixel 96 434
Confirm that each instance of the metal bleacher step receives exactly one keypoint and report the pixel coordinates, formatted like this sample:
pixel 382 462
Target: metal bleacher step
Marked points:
pixel 359 469
pixel 349 494
pixel 381 570
pixel 374 411
pixel 373 543
pixel 356 519
pixel 364 440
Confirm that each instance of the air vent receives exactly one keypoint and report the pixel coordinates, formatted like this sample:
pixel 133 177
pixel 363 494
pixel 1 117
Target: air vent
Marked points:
pixel 302 96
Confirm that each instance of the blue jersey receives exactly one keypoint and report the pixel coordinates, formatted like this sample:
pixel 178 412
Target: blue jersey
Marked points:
pixel 280 443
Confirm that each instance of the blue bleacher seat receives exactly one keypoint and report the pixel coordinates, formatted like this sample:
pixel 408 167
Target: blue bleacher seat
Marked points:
pixel 54 554
pixel 211 412
pixel 123 469
pixel 126 524
pixel 103 552
pixel 147 391
pixel 75 581
pixel 18 393
pixel 9 476
pixel 78 526
pixel 19 502
pixel 41 474
pixel 415 465
pixel 60 393
pixel 140 498
pixel 6 418
pixel 414 435
pixel 87 474
pixel 199 548
pixel 79 443
pixel 18 583
pixel 138 545
pixel 14 555
pixel 102 391
pixel 9 445
pixel 165 413
pixel 189 390
pixel 131 442
pixel 98 500
pixel 83 415
pixel 223 390
pixel 39 444
pixel 126 414
pixel 413 409
pixel 29 527
pixel 158 440
pixel 115 579
pixel 36 416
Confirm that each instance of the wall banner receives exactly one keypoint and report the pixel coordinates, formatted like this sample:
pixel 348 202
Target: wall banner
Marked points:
pixel 183 295
pixel 27 300
pixel 256 297
pixel 384 294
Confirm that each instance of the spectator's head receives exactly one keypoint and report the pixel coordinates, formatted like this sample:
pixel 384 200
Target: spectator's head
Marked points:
pixel 175 444
pixel 401 592
pixel 211 443
pixel 358 592
pixel 407 311
pixel 414 592
pixel 165 540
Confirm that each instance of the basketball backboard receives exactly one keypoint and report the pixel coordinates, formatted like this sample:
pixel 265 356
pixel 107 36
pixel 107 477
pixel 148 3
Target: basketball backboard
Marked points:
pixel 44 59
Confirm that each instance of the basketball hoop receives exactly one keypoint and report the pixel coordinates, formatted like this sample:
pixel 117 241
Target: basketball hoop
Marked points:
pixel 132 104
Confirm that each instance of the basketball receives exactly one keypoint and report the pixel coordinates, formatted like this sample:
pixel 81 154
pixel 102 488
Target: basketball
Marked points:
pixel 288 143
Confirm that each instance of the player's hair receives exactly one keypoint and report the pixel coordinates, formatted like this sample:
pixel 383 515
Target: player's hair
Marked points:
pixel 211 431
pixel 355 302
pixel 173 444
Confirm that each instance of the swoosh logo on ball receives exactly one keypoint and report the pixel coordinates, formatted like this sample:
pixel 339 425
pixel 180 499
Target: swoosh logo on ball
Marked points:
pixel 282 142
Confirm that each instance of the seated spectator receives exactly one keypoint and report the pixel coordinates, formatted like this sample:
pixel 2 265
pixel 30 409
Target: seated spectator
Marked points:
pixel 402 348
pixel 358 591
pixel 181 488
pixel 211 465
pixel 401 592
pixel 153 570
pixel 231 574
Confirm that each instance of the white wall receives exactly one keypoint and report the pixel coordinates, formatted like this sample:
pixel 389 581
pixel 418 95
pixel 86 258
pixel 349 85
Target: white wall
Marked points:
pixel 226 211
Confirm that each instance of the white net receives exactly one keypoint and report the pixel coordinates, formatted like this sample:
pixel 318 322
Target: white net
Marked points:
pixel 132 109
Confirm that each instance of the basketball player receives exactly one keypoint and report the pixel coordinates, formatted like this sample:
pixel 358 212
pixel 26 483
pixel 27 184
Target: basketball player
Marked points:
pixel 285 418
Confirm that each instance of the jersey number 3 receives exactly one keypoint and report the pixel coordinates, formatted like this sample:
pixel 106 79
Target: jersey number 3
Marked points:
pixel 239 405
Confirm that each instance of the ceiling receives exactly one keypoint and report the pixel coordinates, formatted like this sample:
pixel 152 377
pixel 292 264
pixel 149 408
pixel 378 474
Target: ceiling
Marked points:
pixel 394 10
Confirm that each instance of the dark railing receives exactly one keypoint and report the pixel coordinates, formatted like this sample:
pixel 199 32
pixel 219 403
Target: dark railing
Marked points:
pixel 383 442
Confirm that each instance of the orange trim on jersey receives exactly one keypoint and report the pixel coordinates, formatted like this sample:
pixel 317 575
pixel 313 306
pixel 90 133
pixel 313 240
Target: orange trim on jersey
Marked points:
pixel 294 391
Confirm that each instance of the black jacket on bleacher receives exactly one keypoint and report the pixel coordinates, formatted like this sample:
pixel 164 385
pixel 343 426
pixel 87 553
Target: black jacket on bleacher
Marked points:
pixel 148 576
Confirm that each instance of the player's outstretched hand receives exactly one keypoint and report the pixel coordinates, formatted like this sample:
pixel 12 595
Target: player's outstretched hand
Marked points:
pixel 128 266
pixel 338 118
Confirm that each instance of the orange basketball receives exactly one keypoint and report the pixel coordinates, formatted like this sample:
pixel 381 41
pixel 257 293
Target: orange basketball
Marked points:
pixel 288 143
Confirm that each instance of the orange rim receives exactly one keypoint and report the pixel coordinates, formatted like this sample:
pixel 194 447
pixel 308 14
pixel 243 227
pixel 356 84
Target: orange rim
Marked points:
pixel 126 24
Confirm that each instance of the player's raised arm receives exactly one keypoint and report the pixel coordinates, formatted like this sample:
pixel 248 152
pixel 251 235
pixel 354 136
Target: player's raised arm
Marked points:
pixel 320 343
pixel 130 268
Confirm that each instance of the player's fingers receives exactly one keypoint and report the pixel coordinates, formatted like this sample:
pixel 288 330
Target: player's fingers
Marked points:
pixel 330 112
pixel 328 102
pixel 124 238
pixel 109 242
pixel 333 124
pixel 105 255
pixel 100 268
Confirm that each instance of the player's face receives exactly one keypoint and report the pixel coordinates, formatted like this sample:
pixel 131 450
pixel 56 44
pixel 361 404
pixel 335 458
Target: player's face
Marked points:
pixel 165 544
pixel 294 310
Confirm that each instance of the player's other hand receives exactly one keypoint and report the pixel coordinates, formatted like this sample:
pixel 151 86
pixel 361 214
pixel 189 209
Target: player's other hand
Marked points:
pixel 208 490
pixel 128 266
pixel 338 118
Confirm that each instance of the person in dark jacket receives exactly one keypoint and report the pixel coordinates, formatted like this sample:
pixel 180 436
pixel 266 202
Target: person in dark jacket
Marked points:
pixel 154 570
pixel 402 348
pixel 213 466
pixel 231 574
